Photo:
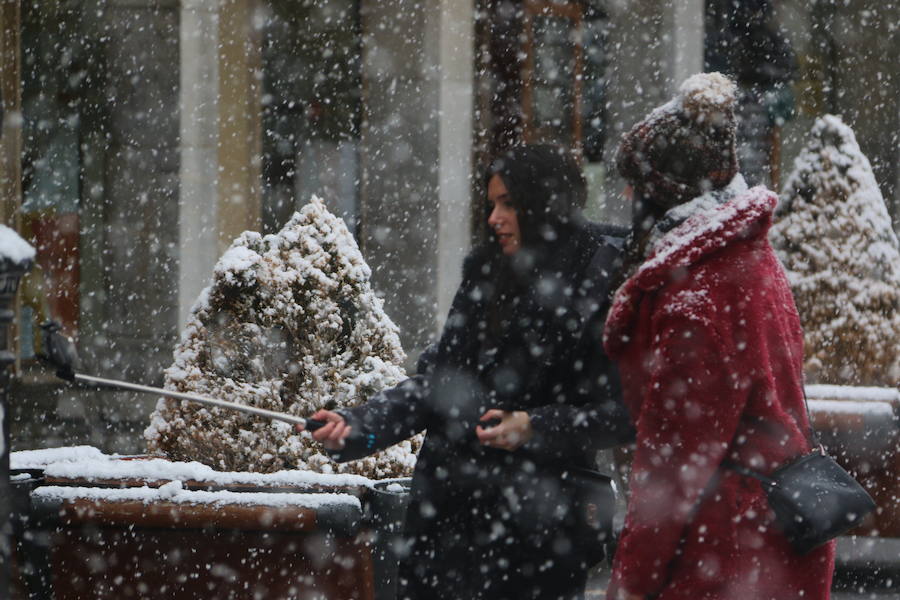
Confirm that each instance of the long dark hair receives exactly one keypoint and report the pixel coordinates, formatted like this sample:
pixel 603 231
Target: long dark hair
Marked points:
pixel 644 214
pixel 548 190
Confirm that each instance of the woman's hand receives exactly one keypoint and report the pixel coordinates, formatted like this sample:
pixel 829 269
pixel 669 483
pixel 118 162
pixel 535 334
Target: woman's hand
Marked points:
pixel 333 433
pixel 513 430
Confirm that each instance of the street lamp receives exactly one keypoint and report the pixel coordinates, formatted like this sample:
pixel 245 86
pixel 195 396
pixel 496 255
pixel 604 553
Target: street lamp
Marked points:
pixel 16 258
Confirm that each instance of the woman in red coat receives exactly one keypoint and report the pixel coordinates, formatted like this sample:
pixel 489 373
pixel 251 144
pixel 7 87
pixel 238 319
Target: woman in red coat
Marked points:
pixel 710 349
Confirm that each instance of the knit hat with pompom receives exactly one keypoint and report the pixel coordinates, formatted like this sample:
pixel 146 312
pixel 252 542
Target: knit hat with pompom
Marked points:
pixel 685 147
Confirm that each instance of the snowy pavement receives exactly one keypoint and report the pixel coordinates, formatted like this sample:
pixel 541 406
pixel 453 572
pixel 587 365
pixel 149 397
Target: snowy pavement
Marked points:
pixel 598 579
pixel 867 568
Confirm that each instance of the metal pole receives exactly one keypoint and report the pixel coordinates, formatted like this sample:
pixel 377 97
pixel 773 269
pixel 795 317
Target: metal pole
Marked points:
pixel 136 387
pixel 6 527
pixel 10 274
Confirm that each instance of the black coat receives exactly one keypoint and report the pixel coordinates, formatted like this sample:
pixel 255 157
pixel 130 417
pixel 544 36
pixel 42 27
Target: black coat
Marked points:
pixel 472 528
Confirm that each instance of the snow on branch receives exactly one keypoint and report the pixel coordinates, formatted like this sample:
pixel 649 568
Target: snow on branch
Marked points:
pixel 290 323
pixel 834 236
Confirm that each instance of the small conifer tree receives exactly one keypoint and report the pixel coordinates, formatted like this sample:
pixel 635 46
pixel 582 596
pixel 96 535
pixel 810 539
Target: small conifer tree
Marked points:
pixel 290 323
pixel 834 236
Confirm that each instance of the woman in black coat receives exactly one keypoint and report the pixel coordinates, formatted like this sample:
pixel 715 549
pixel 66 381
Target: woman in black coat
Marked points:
pixel 488 511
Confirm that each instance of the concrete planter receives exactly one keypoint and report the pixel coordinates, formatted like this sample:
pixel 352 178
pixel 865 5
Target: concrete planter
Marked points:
pixel 28 565
pixel 116 529
pixel 386 512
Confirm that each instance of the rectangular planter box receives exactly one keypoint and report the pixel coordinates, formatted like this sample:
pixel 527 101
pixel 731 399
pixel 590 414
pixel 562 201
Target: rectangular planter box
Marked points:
pixel 113 550
pixel 116 528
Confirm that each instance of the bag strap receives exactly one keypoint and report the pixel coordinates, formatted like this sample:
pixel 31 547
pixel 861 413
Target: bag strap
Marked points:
pixel 811 437
pixel 767 482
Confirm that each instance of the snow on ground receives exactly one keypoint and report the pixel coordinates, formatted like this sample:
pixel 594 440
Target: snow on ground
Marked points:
pixel 864 407
pixel 879 402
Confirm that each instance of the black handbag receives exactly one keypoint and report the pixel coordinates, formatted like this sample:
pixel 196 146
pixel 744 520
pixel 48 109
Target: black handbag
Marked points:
pixel 577 504
pixel 593 506
pixel 814 499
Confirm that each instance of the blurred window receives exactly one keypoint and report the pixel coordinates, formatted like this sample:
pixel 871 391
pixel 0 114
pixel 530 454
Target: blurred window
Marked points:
pixel 744 41
pixel 548 75
pixel 553 73
pixel 564 76
pixel 311 107
pixel 54 74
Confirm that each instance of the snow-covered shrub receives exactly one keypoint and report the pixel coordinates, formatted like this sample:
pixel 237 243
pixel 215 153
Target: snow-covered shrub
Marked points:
pixel 290 323
pixel 834 236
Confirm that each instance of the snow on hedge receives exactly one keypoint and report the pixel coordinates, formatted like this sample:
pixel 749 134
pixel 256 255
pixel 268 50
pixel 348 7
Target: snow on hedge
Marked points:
pixel 834 236
pixel 290 323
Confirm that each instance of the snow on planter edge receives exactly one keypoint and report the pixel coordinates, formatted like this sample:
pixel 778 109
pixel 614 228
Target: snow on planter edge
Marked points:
pixel 159 469
pixel 173 492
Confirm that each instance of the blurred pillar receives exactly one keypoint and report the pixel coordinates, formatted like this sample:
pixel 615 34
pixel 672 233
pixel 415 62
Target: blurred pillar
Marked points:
pixel 685 23
pixel 10 110
pixel 416 155
pixel 240 121
pixel 141 192
pixel 865 84
pixel 221 137
pixel 220 102
pixel 199 113
pixel 457 59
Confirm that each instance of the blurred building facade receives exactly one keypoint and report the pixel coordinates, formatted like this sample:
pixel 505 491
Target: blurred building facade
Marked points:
pixel 141 136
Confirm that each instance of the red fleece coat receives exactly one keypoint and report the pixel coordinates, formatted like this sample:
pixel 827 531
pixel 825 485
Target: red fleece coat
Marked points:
pixel 710 350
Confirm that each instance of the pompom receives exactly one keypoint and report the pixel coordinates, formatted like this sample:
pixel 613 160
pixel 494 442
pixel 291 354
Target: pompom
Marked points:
pixel 708 98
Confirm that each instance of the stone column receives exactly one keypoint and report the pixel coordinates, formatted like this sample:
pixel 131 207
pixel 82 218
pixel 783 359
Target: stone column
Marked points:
pixel 10 110
pixel 847 55
pixel 221 135
pixel 198 235
pixel 867 85
pixel 416 155
pixel 141 189
pixel 457 59
pixel 240 121
pixel 684 21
